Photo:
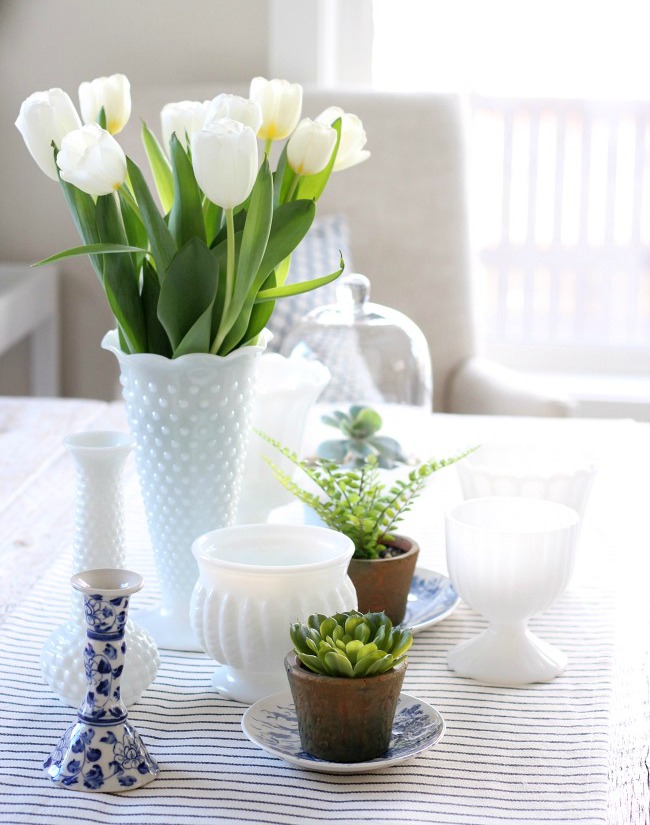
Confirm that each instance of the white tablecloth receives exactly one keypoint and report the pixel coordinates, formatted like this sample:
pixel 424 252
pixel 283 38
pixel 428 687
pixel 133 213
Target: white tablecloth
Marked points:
pixel 568 751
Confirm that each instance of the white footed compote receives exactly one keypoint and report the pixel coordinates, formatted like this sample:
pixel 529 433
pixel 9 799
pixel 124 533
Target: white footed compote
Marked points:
pixel 102 751
pixel 255 580
pixel 98 542
pixel 535 471
pixel 509 558
pixel 285 392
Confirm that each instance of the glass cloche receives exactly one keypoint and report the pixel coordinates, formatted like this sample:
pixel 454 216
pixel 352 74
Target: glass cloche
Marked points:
pixel 376 355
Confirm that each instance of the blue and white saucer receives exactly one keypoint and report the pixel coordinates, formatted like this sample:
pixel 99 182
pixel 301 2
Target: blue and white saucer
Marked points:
pixel 271 723
pixel 431 599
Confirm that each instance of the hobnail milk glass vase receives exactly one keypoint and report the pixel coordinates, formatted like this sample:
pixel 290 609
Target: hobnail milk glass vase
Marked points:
pixel 98 542
pixel 102 751
pixel 191 420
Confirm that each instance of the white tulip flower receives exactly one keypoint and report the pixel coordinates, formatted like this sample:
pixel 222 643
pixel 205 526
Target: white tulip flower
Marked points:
pixel 281 105
pixel 225 161
pixel 92 160
pixel 234 107
pixel 44 118
pixel 183 118
pixel 113 94
pixel 310 147
pixel 353 137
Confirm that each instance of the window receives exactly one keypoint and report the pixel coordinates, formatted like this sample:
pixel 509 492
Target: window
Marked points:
pixel 560 95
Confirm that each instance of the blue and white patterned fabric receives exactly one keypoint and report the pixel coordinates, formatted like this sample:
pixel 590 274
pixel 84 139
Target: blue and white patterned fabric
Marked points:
pixel 317 255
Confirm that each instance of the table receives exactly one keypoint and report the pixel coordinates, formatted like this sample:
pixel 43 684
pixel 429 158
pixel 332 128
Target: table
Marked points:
pixel 574 750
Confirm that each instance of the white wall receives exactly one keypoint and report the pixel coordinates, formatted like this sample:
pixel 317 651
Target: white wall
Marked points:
pixel 47 43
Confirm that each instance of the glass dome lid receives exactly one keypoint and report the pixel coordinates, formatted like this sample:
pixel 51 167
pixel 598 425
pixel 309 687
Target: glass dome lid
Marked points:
pixel 376 355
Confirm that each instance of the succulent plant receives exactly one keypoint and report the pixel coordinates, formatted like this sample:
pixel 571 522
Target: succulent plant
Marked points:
pixel 360 426
pixel 350 644
pixel 355 502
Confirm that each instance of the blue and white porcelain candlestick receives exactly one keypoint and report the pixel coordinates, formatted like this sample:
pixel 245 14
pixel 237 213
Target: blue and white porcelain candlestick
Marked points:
pixel 98 542
pixel 102 751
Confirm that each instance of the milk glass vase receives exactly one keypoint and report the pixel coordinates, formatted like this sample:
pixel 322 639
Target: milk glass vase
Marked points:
pixel 191 420
pixel 98 542
pixel 255 580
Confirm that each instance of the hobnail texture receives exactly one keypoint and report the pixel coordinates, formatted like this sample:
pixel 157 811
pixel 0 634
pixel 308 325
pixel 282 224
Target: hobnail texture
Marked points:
pixel 98 542
pixel 256 580
pixel 191 420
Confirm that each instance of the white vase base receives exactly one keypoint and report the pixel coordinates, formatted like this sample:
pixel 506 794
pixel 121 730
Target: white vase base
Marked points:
pixel 170 628
pixel 248 686
pixel 507 658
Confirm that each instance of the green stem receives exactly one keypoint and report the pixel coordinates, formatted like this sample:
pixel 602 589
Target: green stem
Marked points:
pixel 267 146
pixel 293 187
pixel 230 279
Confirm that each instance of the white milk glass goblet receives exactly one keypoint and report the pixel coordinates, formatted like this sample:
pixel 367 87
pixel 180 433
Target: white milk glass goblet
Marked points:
pixel 535 471
pixel 509 558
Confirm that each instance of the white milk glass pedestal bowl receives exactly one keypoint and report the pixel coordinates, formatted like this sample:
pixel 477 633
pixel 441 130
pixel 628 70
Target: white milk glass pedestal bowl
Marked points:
pixel 509 558
pixel 254 581
pixel 538 471
pixel 285 392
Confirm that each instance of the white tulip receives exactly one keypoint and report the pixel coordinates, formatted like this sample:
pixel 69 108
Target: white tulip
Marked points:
pixel 281 105
pixel 310 147
pixel 113 94
pixel 234 107
pixel 92 160
pixel 224 157
pixel 44 118
pixel 183 118
pixel 353 137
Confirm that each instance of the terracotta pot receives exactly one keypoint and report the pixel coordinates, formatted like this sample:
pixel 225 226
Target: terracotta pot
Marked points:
pixel 342 719
pixel 384 584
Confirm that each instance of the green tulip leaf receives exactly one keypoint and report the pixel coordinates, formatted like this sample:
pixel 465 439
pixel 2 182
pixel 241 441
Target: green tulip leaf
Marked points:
pixel 82 209
pixel 186 215
pixel 157 340
pixel 120 277
pixel 186 313
pixel 254 240
pixel 90 249
pixel 160 168
pixel 212 218
pixel 161 240
pixel 297 289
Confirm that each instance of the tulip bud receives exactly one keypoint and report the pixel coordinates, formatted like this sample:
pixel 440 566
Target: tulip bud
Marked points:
pixel 234 107
pixel 44 118
pixel 113 94
pixel 281 104
pixel 92 160
pixel 224 157
pixel 353 137
pixel 310 147
pixel 183 119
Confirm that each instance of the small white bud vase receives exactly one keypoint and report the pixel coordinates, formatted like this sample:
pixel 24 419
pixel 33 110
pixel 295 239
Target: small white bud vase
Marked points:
pixel 255 580
pixel 98 542
pixel 191 420
pixel 102 751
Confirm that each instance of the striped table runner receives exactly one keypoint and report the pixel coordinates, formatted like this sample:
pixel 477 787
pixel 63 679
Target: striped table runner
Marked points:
pixel 534 755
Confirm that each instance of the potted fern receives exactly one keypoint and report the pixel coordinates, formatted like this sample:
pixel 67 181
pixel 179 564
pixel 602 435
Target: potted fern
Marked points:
pixel 339 665
pixel 356 502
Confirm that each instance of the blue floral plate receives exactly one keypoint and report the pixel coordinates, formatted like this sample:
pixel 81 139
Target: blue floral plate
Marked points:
pixel 271 723
pixel 431 599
